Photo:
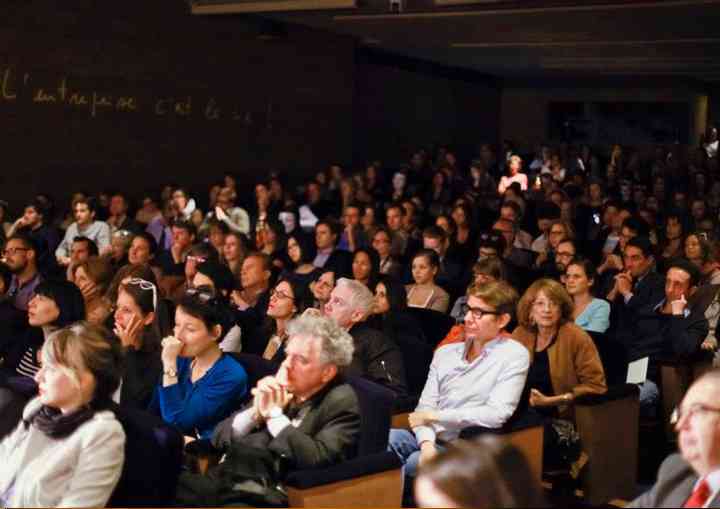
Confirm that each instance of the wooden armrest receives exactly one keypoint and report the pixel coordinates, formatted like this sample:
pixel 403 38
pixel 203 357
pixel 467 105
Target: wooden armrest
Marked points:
pixel 383 489
pixel 400 421
pixel 609 435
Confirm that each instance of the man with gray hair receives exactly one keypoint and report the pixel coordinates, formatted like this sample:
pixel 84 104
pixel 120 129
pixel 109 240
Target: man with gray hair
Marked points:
pixel 305 416
pixel 691 478
pixel 376 357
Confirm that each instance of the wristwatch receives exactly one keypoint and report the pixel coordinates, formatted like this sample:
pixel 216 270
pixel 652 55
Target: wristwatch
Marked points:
pixel 172 373
pixel 275 411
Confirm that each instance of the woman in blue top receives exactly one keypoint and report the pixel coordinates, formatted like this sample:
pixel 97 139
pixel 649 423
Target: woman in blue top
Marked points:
pixel 591 314
pixel 200 385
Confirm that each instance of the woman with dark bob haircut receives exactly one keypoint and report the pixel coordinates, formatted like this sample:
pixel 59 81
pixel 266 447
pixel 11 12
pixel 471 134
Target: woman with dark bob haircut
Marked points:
pixel 69 449
pixel 201 385
pixel 55 304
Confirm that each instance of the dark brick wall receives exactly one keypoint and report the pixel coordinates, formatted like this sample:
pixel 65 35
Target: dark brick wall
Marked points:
pixel 139 93
pixel 402 104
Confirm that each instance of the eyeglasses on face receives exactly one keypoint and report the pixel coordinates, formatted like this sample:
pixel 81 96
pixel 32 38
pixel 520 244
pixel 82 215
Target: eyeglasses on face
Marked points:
pixel 280 294
pixel 14 250
pixel 696 409
pixel 546 304
pixel 477 313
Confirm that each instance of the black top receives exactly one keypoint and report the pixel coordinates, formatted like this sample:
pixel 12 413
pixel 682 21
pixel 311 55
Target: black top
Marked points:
pixel 539 379
pixel 377 358
pixel 140 377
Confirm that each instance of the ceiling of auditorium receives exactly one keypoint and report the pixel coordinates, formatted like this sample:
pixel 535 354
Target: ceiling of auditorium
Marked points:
pixel 535 38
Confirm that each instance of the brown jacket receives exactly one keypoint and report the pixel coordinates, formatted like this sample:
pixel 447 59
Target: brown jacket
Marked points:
pixel 574 362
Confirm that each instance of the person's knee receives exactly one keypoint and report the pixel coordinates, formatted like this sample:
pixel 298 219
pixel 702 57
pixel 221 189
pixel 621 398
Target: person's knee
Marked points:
pixel 402 443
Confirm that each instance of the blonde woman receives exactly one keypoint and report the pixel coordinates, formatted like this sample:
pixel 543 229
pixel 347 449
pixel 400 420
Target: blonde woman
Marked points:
pixel 69 450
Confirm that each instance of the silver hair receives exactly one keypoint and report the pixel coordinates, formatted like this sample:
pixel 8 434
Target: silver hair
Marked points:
pixel 337 345
pixel 361 298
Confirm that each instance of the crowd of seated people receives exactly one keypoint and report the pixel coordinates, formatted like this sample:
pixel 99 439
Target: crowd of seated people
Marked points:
pixel 476 291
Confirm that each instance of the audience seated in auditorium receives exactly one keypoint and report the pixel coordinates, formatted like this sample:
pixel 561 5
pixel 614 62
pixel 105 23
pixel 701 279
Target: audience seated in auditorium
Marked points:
pixel 590 313
pixel 668 326
pixel 300 255
pixel 424 293
pixel 69 449
pixel 375 357
pixel 514 175
pixel 328 255
pixel 288 299
pixel 172 261
pixel 476 382
pixel 200 385
pixel 690 478
pixel 382 242
pixel 93 278
pixel 450 275
pixel 305 416
pixel 485 271
pixel 140 324
pixel 21 257
pixel 486 473
pixel 36 223
pixel 366 266
pixel 55 304
pixel 565 365
pixel 119 220
pixel 199 253
pixel 85 225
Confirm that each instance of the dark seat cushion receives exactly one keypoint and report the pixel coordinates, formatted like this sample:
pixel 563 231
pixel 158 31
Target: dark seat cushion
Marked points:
pixel 365 465
pixel 153 458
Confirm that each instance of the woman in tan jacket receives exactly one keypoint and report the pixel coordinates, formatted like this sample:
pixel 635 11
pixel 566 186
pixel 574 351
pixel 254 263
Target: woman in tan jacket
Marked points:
pixel 565 364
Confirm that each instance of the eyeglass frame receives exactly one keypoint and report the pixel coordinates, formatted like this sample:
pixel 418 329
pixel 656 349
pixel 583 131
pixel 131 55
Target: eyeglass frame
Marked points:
pixel 466 308
pixel 145 285
pixel 677 413
pixel 280 295
pixel 12 251
pixel 205 294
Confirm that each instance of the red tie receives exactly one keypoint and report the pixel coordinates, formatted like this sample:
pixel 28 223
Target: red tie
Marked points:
pixel 699 496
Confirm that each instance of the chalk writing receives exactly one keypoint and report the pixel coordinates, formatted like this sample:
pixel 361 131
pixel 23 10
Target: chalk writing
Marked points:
pixel 65 92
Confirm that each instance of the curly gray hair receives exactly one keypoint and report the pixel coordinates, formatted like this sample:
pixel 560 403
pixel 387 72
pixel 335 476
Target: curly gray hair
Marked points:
pixel 337 345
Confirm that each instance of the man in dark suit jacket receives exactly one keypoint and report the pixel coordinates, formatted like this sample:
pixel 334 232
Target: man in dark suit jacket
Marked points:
pixel 692 478
pixel 302 417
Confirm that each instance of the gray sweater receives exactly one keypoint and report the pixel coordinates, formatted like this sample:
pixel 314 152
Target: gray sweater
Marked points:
pixel 97 231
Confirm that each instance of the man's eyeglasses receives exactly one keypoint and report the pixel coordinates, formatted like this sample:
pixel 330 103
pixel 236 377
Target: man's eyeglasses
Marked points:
pixel 144 285
pixel 196 259
pixel 564 254
pixel 696 409
pixel 477 313
pixel 14 250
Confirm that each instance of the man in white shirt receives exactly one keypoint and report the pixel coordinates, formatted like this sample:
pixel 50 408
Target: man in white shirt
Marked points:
pixel 692 477
pixel 477 382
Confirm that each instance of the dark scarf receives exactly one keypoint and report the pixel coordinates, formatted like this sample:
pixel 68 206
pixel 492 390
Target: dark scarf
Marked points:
pixel 53 423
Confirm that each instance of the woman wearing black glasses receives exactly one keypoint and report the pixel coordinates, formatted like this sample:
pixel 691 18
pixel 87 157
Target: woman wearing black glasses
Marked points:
pixel 288 299
pixel 200 385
